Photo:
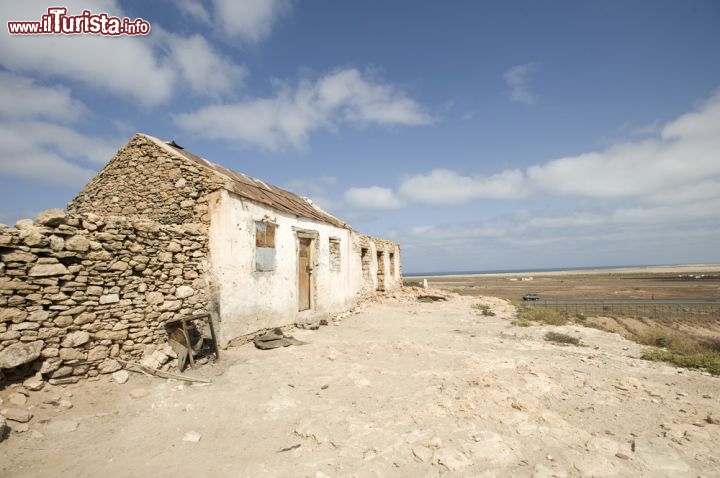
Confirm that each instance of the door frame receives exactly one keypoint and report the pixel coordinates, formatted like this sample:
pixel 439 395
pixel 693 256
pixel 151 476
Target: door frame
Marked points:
pixel 312 236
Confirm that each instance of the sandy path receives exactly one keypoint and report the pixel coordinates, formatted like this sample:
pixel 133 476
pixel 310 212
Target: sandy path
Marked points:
pixel 401 389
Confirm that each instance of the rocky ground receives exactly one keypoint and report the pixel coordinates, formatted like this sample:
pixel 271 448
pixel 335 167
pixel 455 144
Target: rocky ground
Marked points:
pixel 402 388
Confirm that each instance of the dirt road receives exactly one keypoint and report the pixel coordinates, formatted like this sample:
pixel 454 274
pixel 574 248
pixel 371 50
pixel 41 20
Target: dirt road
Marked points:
pixel 402 388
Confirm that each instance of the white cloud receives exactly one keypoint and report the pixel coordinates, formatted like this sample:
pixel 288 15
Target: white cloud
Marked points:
pixel 373 198
pixel 628 234
pixel 249 20
pixel 194 9
pixel 703 123
pixel 286 120
pixel 517 78
pixel 679 165
pixel 687 152
pixel 206 71
pixel 148 69
pixel 25 98
pixel 125 65
pixel 442 186
pixel 316 190
pixel 34 146
pixel 39 152
pixel 310 187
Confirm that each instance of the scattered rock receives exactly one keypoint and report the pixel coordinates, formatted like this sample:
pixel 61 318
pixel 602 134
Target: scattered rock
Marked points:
pixel 138 393
pixel 61 426
pixel 51 400
pixel 451 459
pixel 109 366
pixel 121 376
pixel 17 399
pixel 21 428
pixel 34 383
pixel 3 426
pixel 18 415
pixel 64 381
pixel 192 437
pixel 435 442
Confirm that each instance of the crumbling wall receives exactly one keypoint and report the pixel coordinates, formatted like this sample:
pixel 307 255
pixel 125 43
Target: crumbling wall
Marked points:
pixel 151 181
pixel 372 274
pixel 79 290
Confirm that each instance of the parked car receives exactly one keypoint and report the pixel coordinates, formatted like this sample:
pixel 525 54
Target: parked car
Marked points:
pixel 531 296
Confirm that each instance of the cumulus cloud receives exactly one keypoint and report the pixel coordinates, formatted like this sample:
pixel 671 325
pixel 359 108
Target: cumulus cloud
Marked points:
pixel 25 98
pixel 679 164
pixel 49 153
pixel 35 143
pixel 287 119
pixel 205 70
pixel 316 189
pixel 517 79
pixel 686 152
pixel 373 198
pixel 148 69
pixel 127 65
pixel 249 20
pixel 442 186
pixel 629 234
pixel 315 186
pixel 194 9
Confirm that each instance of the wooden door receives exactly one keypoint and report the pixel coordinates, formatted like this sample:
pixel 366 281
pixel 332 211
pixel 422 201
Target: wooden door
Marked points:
pixel 304 272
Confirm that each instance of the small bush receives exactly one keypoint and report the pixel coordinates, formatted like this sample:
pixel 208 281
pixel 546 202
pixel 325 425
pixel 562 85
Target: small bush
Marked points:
pixel 561 338
pixel 540 314
pixel 593 325
pixel 521 323
pixel 484 310
pixel 673 342
pixel 707 360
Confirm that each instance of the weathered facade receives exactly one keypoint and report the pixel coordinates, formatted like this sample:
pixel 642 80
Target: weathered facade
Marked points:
pixel 160 232
pixel 274 258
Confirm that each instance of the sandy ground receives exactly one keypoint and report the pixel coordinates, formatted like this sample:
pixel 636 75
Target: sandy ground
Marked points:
pixel 402 388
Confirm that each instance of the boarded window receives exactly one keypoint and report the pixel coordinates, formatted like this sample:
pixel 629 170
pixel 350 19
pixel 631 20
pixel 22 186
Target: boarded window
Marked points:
pixel 264 246
pixel 335 254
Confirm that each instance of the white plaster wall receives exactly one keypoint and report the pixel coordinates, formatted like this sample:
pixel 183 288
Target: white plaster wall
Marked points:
pixel 250 300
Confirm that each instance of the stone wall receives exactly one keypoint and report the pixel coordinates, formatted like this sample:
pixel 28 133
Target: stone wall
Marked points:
pixel 149 180
pixel 79 290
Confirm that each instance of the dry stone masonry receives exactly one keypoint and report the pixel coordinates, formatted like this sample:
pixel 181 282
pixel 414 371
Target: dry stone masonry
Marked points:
pixel 147 182
pixel 78 291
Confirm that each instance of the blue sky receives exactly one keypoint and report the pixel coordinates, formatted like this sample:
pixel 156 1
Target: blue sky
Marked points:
pixel 480 135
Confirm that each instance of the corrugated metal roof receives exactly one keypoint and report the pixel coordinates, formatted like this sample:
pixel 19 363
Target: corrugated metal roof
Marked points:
pixel 257 190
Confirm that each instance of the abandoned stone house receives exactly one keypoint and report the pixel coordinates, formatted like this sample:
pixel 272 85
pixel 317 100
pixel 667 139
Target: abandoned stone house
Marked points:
pixel 159 233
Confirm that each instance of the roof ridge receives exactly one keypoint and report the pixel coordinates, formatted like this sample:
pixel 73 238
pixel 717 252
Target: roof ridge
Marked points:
pixel 255 189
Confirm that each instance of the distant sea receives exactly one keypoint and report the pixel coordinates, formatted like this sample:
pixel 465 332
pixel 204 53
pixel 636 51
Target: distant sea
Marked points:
pixel 518 271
